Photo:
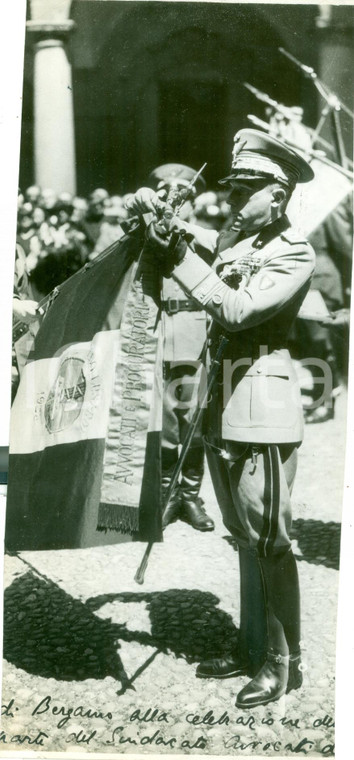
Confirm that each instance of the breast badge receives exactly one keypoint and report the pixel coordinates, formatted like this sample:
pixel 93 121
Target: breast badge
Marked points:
pixel 242 268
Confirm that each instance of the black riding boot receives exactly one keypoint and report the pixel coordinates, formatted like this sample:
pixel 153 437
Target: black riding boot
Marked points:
pixel 193 511
pixel 172 511
pixel 281 672
pixel 252 641
pixel 253 617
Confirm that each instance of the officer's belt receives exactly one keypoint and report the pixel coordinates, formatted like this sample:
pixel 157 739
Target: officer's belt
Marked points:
pixel 174 305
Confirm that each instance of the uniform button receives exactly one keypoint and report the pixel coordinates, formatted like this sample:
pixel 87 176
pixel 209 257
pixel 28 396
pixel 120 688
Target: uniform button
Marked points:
pixel 217 299
pixel 259 371
pixel 176 288
pixel 200 294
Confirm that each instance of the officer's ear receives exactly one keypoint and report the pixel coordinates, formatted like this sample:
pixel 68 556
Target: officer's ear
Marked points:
pixel 278 196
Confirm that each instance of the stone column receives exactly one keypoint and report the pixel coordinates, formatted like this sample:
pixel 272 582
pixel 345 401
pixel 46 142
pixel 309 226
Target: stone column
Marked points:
pixel 54 138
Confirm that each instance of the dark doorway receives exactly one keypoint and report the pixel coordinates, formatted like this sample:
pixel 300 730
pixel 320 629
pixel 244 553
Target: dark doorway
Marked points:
pixel 191 117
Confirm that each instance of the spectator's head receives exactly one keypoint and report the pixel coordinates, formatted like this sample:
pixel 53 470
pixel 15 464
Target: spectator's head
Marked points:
pixel 207 210
pixel 99 195
pixel 47 199
pixel 32 194
pixel 25 217
pixel 116 200
pixel 63 212
pixel 115 212
pixel 206 199
pixel 80 207
pixel 97 200
pixel 63 208
pixel 38 216
pixel 66 199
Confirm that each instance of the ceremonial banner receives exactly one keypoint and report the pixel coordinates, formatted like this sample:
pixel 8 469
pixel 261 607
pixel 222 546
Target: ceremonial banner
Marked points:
pixel 313 202
pixel 132 410
pixel 84 423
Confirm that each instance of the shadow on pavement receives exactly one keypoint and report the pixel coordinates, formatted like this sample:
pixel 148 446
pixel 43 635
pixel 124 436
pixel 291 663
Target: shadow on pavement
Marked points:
pixel 49 633
pixel 186 622
pixel 317 542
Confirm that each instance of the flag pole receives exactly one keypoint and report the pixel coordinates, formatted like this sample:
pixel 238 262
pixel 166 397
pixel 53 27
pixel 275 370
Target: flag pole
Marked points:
pixel 214 371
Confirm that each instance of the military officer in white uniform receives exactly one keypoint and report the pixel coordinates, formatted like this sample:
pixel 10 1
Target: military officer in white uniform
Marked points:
pixel 261 273
pixel 184 337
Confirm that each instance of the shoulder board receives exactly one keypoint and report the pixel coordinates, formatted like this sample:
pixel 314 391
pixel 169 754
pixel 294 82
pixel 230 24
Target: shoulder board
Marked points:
pixel 293 236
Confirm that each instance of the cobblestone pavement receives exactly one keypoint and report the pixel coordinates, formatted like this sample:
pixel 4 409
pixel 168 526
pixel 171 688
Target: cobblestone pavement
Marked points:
pixel 96 663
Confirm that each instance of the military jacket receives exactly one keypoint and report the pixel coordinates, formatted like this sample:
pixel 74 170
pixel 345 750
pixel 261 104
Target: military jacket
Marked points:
pixel 184 332
pixel 253 291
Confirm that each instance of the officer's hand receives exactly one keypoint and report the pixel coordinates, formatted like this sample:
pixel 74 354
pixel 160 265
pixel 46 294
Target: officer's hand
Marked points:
pixel 145 201
pixel 25 311
pixel 170 248
pixel 158 239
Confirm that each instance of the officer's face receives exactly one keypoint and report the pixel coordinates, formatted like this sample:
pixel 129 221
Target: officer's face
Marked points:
pixel 252 204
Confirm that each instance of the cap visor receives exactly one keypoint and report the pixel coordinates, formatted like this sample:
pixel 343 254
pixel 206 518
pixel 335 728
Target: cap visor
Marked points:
pixel 242 175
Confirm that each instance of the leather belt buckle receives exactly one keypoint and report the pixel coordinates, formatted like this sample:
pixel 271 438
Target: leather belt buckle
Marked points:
pixel 172 305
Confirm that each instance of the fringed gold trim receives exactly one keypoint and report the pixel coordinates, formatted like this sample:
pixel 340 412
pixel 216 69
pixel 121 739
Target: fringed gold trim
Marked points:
pixel 118 517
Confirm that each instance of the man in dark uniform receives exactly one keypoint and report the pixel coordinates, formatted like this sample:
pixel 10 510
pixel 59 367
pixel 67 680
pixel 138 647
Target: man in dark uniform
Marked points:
pixel 253 291
pixel 184 336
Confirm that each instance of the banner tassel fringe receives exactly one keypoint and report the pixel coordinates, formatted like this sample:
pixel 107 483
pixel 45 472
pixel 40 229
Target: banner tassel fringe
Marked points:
pixel 118 517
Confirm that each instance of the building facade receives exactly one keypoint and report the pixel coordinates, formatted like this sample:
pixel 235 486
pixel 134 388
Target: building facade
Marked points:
pixel 113 88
